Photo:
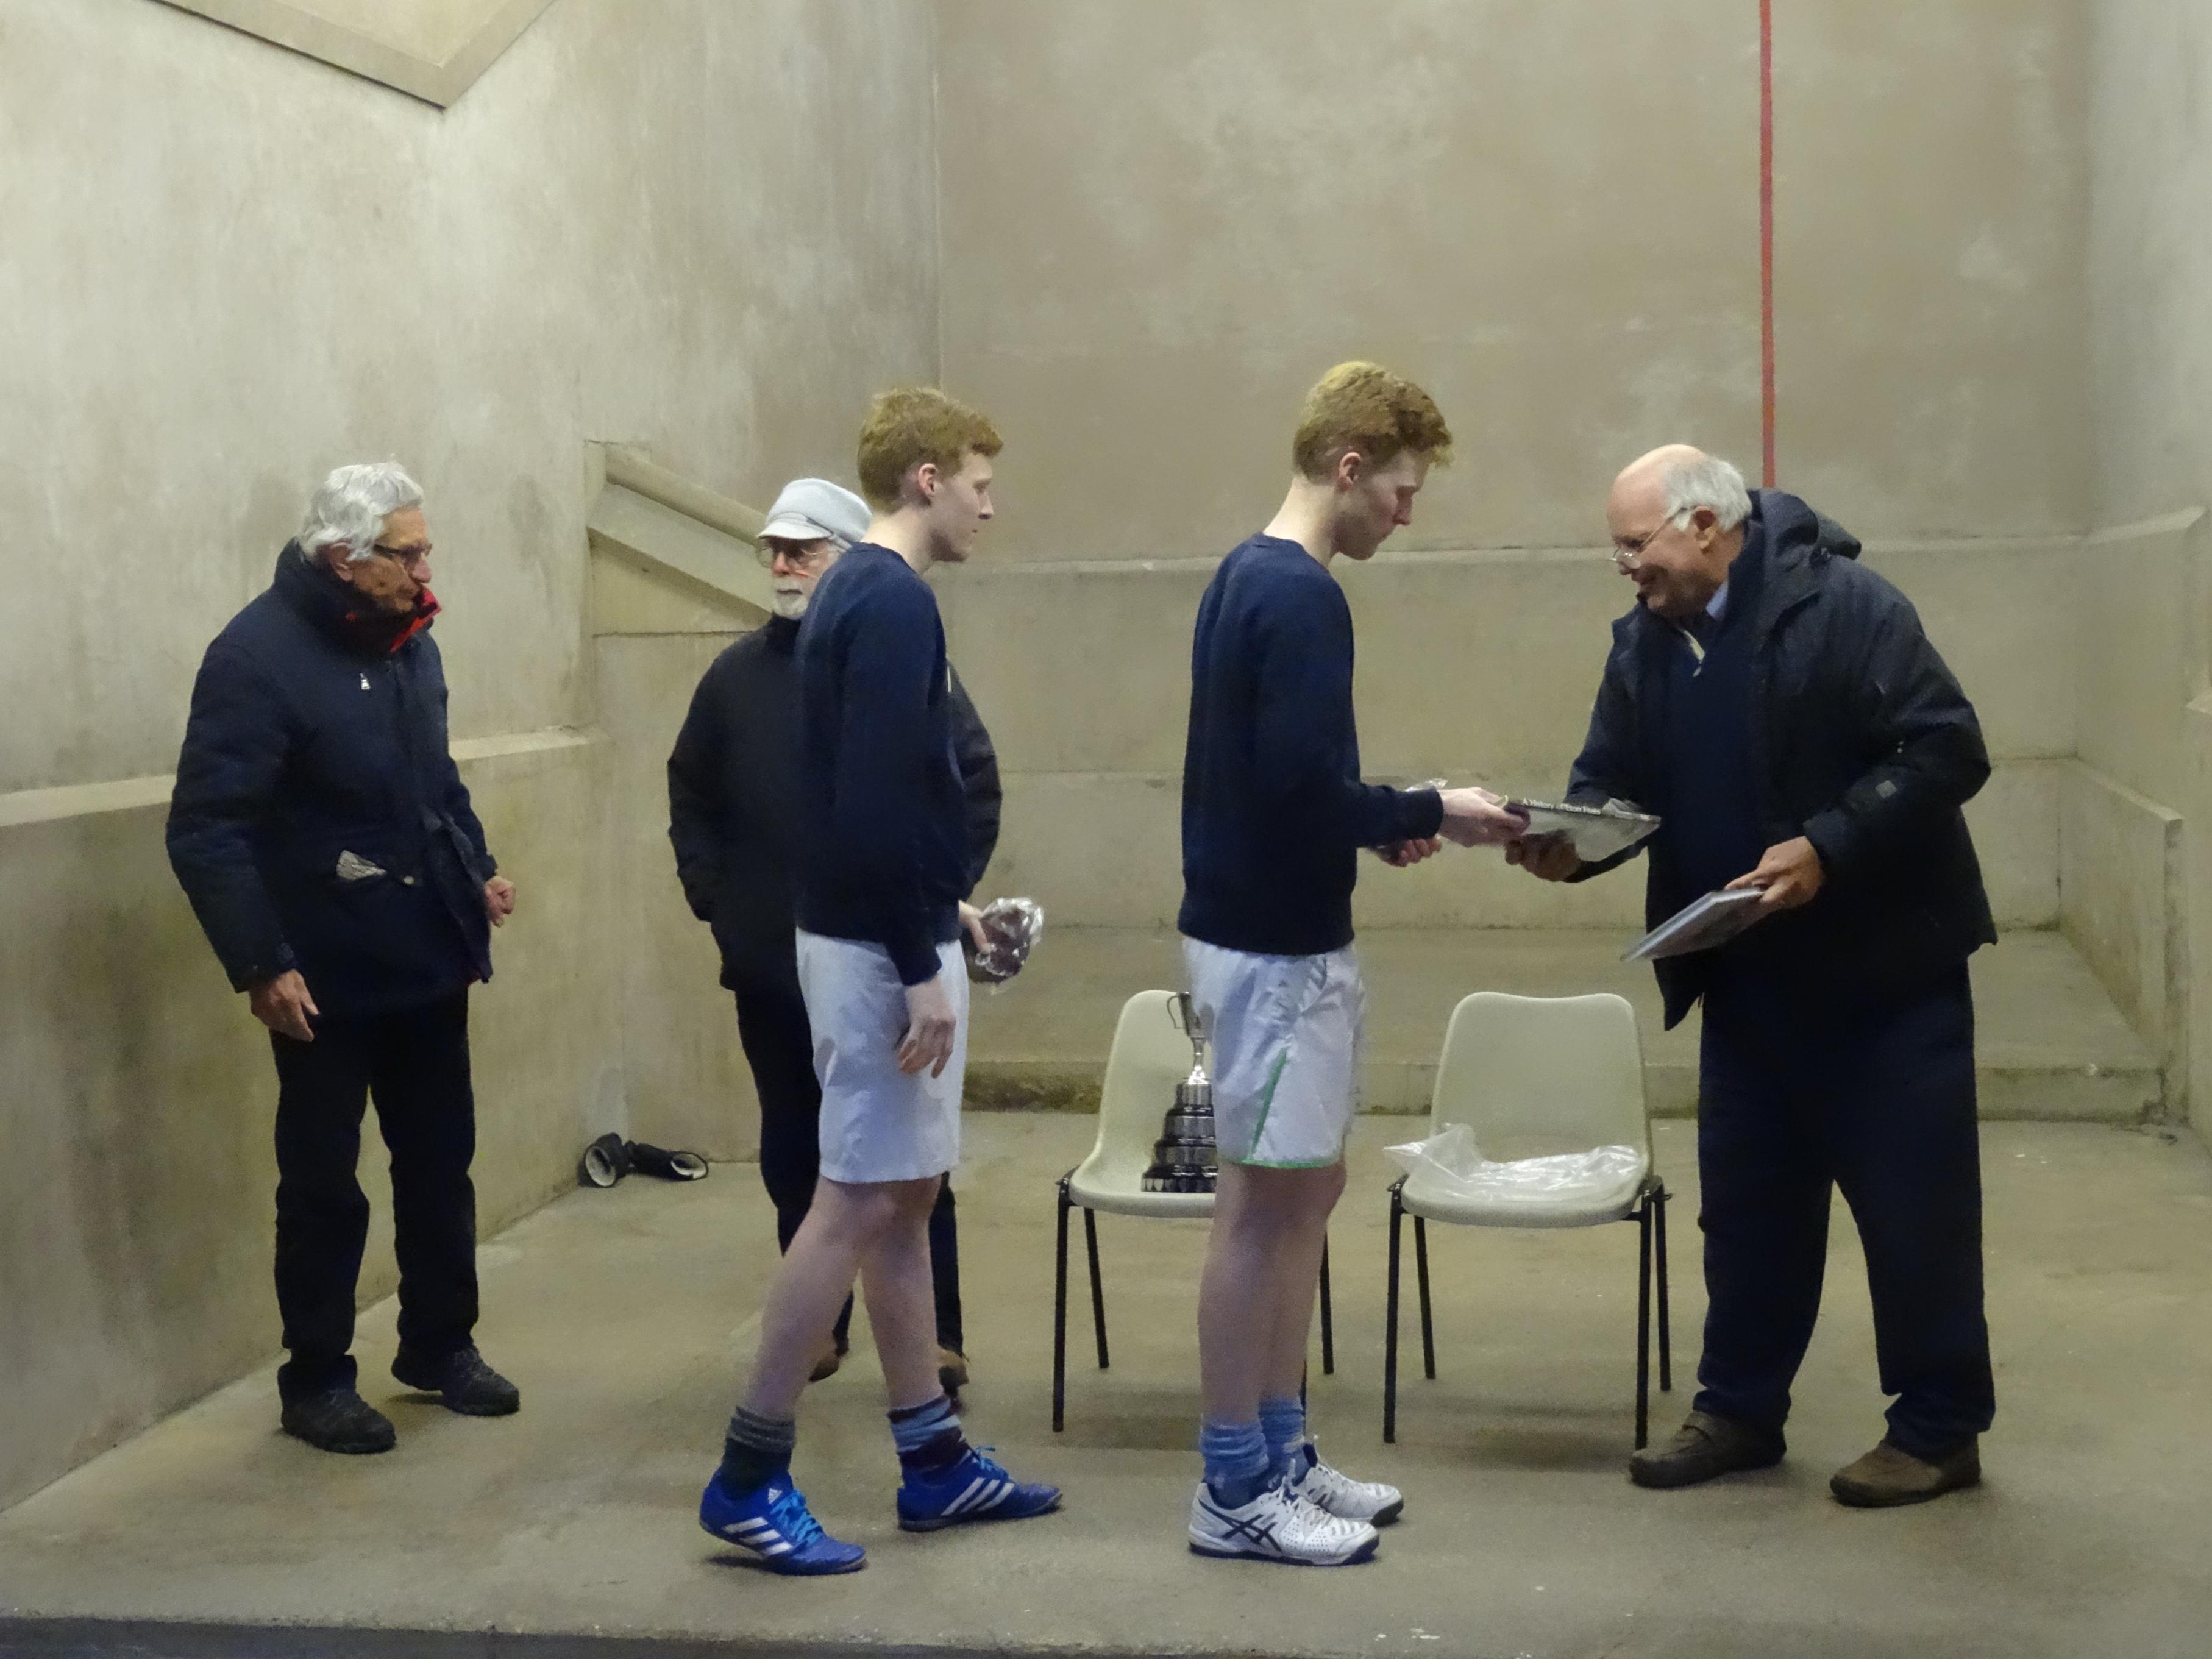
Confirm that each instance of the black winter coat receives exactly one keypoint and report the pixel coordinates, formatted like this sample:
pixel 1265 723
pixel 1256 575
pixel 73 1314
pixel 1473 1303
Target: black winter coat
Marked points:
pixel 734 805
pixel 1868 748
pixel 305 743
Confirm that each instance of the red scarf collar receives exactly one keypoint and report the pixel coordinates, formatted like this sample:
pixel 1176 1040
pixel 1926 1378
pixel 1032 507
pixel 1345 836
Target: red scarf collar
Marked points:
pixel 385 631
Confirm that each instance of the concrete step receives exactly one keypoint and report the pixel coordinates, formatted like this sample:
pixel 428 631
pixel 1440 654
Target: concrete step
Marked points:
pixel 2052 1046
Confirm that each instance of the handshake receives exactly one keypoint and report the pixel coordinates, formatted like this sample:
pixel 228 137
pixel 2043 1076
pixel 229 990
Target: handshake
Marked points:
pixel 1473 817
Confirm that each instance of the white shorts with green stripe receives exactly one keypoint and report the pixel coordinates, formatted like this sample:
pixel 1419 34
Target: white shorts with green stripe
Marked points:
pixel 1287 1035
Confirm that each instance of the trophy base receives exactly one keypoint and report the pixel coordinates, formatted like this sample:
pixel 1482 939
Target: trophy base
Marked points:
pixel 1179 1181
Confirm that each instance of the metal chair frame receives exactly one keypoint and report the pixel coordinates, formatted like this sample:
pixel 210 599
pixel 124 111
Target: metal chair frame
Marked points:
pixel 1649 1215
pixel 1069 1201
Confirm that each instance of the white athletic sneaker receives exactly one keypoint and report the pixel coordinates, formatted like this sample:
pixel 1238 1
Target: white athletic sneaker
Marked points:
pixel 1276 1526
pixel 1338 1494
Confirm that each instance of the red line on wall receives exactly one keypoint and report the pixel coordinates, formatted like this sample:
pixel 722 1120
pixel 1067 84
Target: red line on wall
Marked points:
pixel 1766 235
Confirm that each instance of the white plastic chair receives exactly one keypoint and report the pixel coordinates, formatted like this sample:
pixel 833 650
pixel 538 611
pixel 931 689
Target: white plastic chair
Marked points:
pixel 1533 1076
pixel 1151 1055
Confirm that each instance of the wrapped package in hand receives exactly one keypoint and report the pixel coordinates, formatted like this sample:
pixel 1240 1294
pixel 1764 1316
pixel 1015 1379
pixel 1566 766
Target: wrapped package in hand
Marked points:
pixel 1012 925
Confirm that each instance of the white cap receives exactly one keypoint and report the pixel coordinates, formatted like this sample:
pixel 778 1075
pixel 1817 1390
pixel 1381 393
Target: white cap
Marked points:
pixel 811 508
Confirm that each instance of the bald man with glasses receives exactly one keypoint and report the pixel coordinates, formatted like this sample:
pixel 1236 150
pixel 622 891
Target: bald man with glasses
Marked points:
pixel 733 796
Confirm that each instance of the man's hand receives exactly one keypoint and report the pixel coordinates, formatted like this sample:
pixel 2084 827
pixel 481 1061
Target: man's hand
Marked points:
pixel 972 919
pixel 1790 875
pixel 1404 854
pixel 1547 858
pixel 1475 817
pixel 284 1005
pixel 499 900
pixel 930 1024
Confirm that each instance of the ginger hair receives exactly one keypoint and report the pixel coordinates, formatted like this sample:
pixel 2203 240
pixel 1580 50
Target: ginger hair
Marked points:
pixel 1364 407
pixel 909 425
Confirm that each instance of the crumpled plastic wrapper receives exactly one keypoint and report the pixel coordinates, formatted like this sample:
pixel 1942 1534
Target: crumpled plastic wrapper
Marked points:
pixel 1449 1158
pixel 1014 925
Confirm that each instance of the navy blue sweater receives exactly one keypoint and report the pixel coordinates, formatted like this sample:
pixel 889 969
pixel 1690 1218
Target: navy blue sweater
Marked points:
pixel 1274 811
pixel 883 849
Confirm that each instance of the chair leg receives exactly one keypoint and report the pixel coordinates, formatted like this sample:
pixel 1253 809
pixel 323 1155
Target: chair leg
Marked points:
pixel 1666 1325
pixel 1059 1318
pixel 1644 1325
pixel 1097 1290
pixel 1328 1320
pixel 1428 1325
pixel 1390 1330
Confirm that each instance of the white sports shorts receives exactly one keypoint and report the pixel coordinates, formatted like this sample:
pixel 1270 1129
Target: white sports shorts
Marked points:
pixel 1287 1034
pixel 879 1123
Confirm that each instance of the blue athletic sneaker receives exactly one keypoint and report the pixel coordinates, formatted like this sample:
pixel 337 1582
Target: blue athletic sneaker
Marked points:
pixel 772 1524
pixel 974 1489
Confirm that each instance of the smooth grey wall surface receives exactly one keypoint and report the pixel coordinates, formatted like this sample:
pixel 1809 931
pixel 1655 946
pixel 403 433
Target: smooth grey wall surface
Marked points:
pixel 704 228
pixel 1162 221
pixel 2143 598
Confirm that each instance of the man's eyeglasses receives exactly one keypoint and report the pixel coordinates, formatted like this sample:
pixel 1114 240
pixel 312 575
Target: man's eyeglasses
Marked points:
pixel 404 557
pixel 1627 550
pixel 799 556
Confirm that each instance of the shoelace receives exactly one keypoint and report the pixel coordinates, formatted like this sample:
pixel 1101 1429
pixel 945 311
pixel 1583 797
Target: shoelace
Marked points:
pixel 790 1516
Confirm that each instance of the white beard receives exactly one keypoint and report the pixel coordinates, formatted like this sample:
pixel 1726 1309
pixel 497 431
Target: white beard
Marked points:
pixel 789 606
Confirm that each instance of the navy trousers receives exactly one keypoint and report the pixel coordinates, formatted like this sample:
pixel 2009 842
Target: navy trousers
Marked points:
pixel 414 1062
pixel 779 1045
pixel 1800 1094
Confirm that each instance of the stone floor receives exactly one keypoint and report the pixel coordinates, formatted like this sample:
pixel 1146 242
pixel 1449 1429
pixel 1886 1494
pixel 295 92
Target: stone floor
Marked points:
pixel 2052 1046
pixel 625 1315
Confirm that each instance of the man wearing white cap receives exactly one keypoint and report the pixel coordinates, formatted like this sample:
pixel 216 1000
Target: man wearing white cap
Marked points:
pixel 733 816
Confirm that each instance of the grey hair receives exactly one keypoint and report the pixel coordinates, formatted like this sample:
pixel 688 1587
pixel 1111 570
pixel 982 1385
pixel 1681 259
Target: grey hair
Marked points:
pixel 1710 481
pixel 350 509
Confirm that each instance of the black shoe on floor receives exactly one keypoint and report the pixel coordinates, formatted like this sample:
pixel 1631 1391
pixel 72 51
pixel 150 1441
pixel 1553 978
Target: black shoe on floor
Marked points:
pixel 462 1381
pixel 1703 1447
pixel 339 1420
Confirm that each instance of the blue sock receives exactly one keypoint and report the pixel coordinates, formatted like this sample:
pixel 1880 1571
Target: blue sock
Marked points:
pixel 928 1437
pixel 1284 1423
pixel 1236 1461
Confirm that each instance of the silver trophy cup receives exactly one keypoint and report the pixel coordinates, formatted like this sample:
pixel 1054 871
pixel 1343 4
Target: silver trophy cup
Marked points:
pixel 1184 1159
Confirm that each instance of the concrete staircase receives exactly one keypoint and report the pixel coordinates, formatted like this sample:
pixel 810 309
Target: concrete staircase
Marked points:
pixel 2052 1044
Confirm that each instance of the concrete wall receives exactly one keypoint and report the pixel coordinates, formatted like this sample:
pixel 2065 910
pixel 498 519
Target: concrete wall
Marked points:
pixel 2146 724
pixel 702 227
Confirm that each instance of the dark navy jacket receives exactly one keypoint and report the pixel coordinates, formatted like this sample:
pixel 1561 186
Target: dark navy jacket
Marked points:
pixel 1274 811
pixel 734 806
pixel 1862 741
pixel 882 854
pixel 305 743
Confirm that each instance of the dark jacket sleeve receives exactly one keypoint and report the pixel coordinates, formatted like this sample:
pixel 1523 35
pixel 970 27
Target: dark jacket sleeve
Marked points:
pixel 1304 705
pixel 1914 714
pixel 695 805
pixel 1607 769
pixel 456 801
pixel 880 791
pixel 236 741
pixel 979 781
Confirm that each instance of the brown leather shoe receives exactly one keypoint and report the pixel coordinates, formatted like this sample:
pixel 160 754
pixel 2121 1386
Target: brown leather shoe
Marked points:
pixel 952 1369
pixel 826 1366
pixel 1703 1447
pixel 1889 1476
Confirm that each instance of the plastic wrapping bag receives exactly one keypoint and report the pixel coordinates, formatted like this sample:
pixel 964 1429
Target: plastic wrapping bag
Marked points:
pixel 1449 1158
pixel 1014 925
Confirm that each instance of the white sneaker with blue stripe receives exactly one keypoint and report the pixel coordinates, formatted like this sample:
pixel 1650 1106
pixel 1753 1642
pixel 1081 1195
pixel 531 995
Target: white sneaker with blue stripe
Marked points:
pixel 772 1524
pixel 974 1489
pixel 1277 1525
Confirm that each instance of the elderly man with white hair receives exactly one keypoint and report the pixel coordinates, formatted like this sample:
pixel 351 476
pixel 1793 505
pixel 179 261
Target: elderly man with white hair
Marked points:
pixel 1778 704
pixel 325 840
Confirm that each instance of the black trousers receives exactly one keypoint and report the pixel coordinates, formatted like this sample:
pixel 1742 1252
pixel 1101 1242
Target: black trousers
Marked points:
pixel 414 1063
pixel 1801 1095
pixel 779 1045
